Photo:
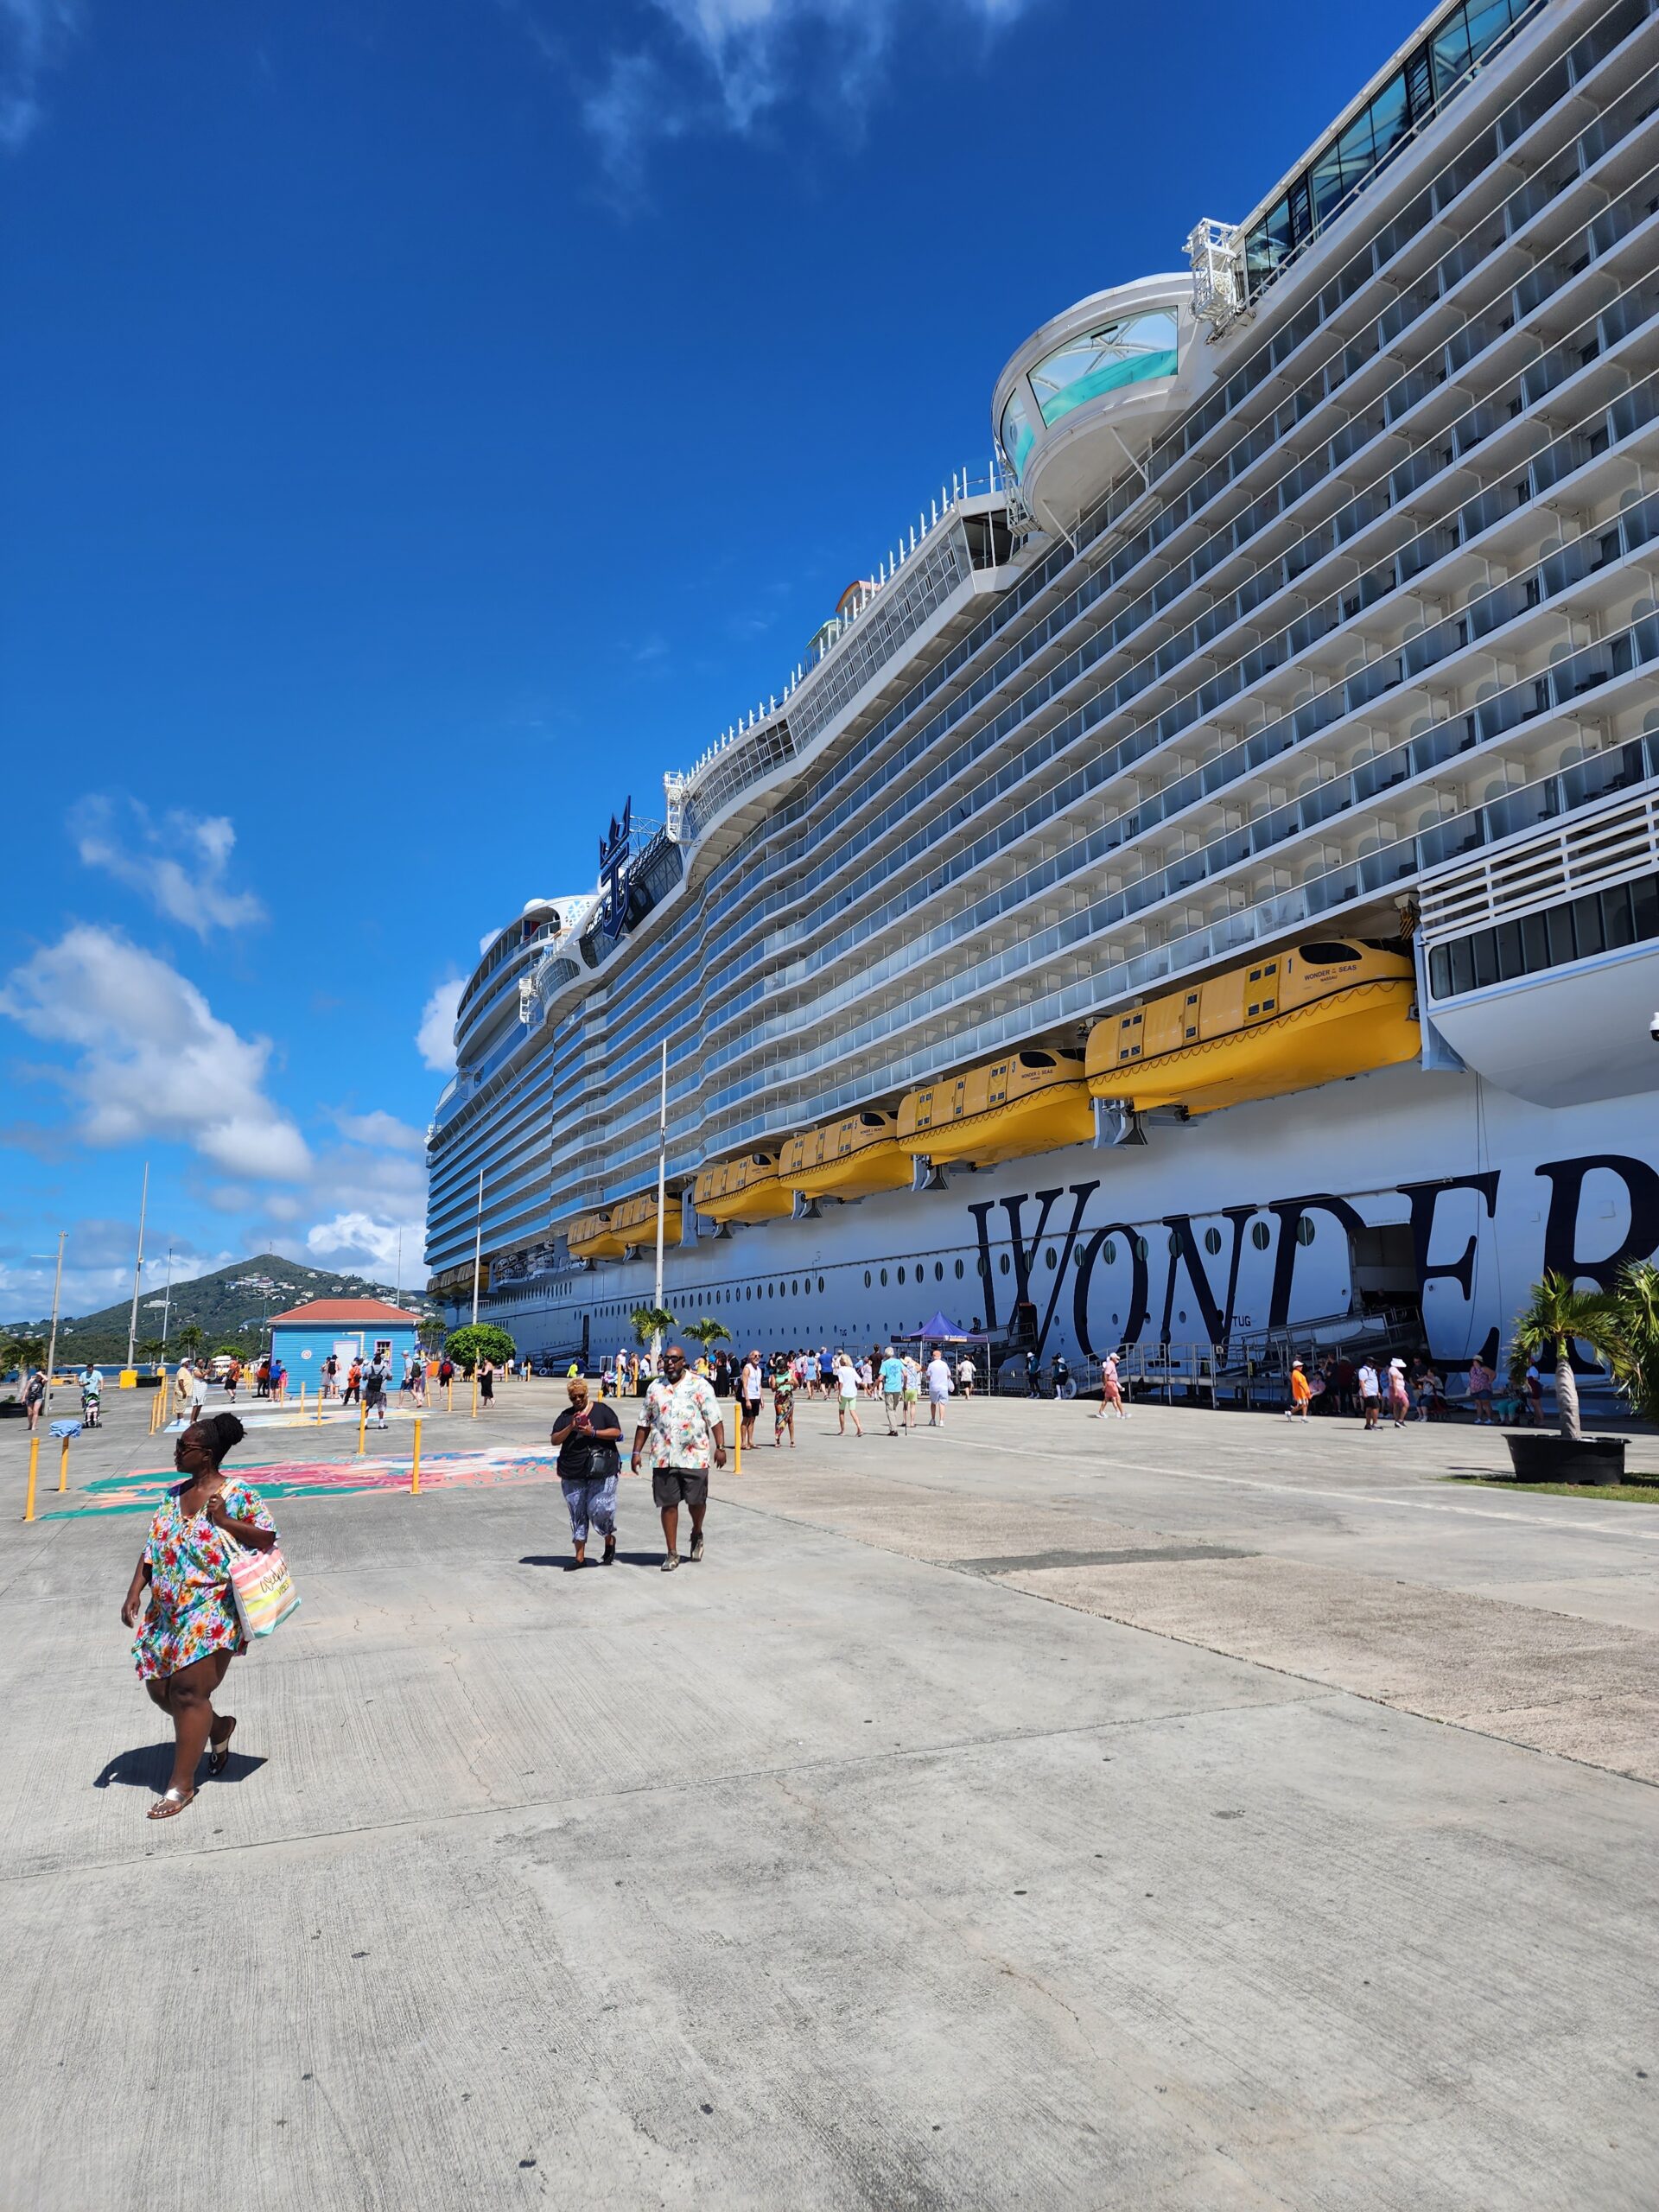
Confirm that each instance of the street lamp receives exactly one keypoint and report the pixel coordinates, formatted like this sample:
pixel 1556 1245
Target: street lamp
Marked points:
pixel 57 1284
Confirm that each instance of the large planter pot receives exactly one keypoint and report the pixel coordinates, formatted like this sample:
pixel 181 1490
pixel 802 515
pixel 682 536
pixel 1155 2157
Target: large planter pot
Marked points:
pixel 1545 1459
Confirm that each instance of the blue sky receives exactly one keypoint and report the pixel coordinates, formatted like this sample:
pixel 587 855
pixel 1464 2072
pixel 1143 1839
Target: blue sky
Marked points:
pixel 426 421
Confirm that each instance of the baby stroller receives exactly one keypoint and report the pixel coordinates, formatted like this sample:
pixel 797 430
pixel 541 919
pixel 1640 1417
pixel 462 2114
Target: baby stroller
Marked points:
pixel 89 1406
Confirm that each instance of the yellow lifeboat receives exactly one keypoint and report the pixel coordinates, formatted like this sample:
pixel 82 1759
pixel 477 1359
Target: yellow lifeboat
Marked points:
pixel 635 1221
pixel 743 1190
pixel 1321 1011
pixel 850 1159
pixel 1033 1101
pixel 591 1237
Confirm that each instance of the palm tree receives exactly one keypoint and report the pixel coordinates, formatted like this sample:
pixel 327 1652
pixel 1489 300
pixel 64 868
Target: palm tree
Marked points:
pixel 708 1332
pixel 1631 1348
pixel 24 1352
pixel 1557 1313
pixel 191 1339
pixel 651 1325
pixel 150 1349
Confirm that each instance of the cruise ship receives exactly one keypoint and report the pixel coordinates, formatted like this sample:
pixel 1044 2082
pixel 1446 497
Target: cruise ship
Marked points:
pixel 1204 882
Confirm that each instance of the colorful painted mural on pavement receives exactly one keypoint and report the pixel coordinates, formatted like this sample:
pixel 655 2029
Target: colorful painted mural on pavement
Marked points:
pixel 141 1492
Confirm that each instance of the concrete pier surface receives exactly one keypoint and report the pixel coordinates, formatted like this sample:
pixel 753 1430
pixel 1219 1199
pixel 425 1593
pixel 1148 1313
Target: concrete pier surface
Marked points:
pixel 1193 1812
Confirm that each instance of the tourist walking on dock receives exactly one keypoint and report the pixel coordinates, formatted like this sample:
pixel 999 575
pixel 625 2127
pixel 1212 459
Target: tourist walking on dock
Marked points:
pixel 912 1368
pixel 35 1397
pixel 893 1389
pixel 846 1382
pixel 589 1440
pixel 486 1385
pixel 1301 1392
pixel 1481 1380
pixel 940 1387
pixel 1111 1391
pixel 681 1424
pixel 748 1387
pixel 1399 1394
pixel 191 1632
pixel 783 1403
pixel 375 1378
pixel 965 1374
pixel 1371 1394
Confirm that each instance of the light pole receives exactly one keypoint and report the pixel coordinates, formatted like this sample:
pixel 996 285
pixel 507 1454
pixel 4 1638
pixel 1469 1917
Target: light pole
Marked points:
pixel 57 1284
pixel 166 1300
pixel 478 1245
pixel 662 1180
pixel 137 1266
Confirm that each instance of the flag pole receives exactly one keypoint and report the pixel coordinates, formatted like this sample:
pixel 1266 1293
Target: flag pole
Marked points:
pixel 137 1266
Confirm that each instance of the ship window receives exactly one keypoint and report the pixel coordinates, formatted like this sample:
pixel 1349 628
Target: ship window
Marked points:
pixel 1255 1009
pixel 1268 1006
pixel 1193 1029
pixel 1191 998
pixel 1140 1248
pixel 1272 968
pixel 901 1275
pixel 1118 352
pixel 1213 1241
pixel 794 1289
pixel 884 1278
pixel 1111 1253
pixel 1261 1235
pixel 1036 1060
pixel 958 1270
pixel 1174 1245
pixel 820 1286
pixel 870 1121
pixel 866 1278
pixel 1003 1263
pixel 1326 954
pixel 1305 1230
pixel 1048 1257
pixel 939 1270
pixel 1255 975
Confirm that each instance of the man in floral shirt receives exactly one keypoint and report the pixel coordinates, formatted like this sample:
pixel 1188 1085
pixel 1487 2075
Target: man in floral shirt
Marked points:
pixel 682 1425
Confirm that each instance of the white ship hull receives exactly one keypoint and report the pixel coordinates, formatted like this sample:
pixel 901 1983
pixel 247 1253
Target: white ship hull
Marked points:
pixel 1261 1217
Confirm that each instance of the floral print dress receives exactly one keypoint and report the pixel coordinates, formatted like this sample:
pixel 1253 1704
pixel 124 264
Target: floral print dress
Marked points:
pixel 191 1610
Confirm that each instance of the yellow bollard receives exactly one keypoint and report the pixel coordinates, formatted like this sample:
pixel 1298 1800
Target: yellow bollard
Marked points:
pixel 302 1402
pixel 33 1463
pixel 449 1395
pixel 319 1407
pixel 737 1468
pixel 362 1423
pixel 63 1465
pixel 474 1394
pixel 415 1463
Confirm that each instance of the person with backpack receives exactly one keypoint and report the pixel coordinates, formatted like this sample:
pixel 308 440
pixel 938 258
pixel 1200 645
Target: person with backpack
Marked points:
pixel 446 1370
pixel 353 1384
pixel 376 1375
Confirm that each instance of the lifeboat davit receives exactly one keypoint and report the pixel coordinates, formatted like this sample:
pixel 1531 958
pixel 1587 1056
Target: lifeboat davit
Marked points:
pixel 1033 1101
pixel 1321 1011
pixel 745 1189
pixel 853 1158
pixel 635 1221
pixel 591 1237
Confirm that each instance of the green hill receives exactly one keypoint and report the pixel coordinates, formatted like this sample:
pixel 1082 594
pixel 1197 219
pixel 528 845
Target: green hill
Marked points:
pixel 229 1306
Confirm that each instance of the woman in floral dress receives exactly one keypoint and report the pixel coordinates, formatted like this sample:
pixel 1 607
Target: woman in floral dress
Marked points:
pixel 191 1632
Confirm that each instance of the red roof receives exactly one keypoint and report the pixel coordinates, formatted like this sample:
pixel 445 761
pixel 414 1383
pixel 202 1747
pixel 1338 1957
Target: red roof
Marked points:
pixel 321 1310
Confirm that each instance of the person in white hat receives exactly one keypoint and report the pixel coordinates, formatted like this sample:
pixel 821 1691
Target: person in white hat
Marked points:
pixel 1301 1392
pixel 1399 1393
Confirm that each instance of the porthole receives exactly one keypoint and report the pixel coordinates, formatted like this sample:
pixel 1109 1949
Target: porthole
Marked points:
pixel 1305 1230
pixel 1110 1255
pixel 958 1270
pixel 1141 1248
pixel 1003 1263
pixel 1261 1235
pixel 1174 1245
pixel 884 1278
pixel 939 1270
pixel 984 1265
pixel 901 1275
pixel 866 1278
pixel 1050 1257
pixel 820 1286
pixel 1213 1241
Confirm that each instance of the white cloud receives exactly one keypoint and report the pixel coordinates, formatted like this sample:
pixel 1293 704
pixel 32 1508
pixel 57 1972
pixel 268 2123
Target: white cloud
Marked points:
pixel 97 1257
pixel 150 1058
pixel 35 35
pixel 356 1240
pixel 379 1128
pixel 180 866
pixel 435 1040
pixel 746 57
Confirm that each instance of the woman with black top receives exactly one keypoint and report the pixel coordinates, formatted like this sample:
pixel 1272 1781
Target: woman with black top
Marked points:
pixel 588 1438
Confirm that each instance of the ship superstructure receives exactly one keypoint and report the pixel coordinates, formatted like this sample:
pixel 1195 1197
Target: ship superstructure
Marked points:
pixel 1207 875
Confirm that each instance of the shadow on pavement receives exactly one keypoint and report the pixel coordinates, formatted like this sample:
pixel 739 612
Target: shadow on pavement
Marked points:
pixel 149 1766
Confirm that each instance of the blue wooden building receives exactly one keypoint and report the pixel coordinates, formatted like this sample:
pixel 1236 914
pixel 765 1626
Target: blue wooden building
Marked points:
pixel 352 1328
